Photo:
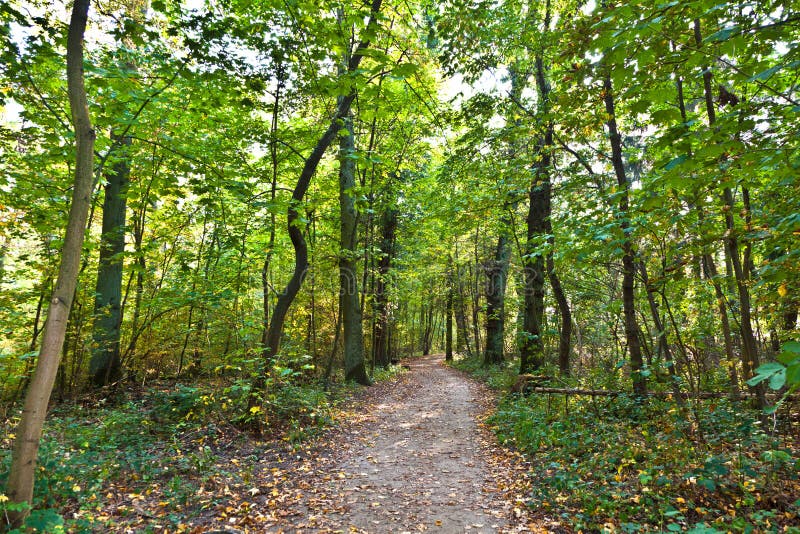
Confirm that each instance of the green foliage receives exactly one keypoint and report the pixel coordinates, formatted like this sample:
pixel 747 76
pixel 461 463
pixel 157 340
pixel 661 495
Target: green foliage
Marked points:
pixel 783 372
pixel 643 467
pixel 500 377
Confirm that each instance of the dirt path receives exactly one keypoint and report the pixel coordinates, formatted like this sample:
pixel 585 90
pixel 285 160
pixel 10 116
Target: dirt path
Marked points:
pixel 415 463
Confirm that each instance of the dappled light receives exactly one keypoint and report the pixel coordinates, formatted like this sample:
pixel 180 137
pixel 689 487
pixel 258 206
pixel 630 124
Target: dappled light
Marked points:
pixel 399 266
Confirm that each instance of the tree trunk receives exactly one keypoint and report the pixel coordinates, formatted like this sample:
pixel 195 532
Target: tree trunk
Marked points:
pixel 628 256
pixel 381 333
pixel 476 298
pixel 353 340
pixel 104 366
pixel 448 333
pixel 750 357
pixel 565 328
pixel 497 278
pixel 273 154
pixel 26 444
pixel 462 333
pixel 663 342
pixel 531 346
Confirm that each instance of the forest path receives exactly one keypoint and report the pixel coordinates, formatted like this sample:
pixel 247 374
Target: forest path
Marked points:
pixel 418 461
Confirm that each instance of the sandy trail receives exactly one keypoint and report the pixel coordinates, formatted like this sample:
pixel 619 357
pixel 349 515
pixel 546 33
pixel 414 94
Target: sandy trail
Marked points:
pixel 416 464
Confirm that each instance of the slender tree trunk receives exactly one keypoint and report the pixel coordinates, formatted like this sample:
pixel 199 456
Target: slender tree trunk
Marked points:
pixel 476 297
pixel 273 154
pixel 497 278
pixel 565 328
pixel 750 357
pixel 381 333
pixel 462 333
pixel 628 256
pixel 709 268
pixel 448 333
pixel 663 342
pixel 19 488
pixel 196 274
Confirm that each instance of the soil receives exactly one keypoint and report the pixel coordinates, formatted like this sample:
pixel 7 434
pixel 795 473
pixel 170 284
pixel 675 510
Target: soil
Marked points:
pixel 418 461
pixel 407 455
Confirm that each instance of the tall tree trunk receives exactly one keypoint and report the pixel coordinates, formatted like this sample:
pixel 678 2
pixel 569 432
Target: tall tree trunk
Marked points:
pixel 709 269
pixel 628 257
pixel 273 154
pixel 105 366
pixel 565 328
pixel 381 333
pixel 26 444
pixel 497 278
pixel 353 340
pixel 448 333
pixel 539 233
pixel 476 297
pixel 462 333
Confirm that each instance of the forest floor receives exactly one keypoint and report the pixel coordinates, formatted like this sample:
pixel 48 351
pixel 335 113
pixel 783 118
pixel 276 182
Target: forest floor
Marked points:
pixel 413 456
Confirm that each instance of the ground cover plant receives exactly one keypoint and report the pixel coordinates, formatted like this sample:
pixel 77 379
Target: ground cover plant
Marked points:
pixel 622 465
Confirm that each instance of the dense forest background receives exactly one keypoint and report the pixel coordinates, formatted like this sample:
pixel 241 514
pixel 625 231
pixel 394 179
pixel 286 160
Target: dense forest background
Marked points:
pixel 601 196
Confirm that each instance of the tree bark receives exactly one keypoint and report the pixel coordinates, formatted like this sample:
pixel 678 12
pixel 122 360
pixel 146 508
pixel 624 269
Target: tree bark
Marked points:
pixel 628 256
pixel 381 333
pixel 497 278
pixel 448 333
pixel 565 328
pixel 26 444
pixel 531 345
pixel 353 340
pixel 104 366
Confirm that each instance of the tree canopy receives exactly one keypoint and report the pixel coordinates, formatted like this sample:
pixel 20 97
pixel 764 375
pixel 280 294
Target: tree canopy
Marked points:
pixel 299 193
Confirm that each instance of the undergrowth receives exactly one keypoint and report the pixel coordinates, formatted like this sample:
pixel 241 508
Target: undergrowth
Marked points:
pixel 615 464
pixel 160 445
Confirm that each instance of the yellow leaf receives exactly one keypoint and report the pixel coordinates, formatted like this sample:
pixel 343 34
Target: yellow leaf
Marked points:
pixel 255 409
pixel 76 488
pixel 782 291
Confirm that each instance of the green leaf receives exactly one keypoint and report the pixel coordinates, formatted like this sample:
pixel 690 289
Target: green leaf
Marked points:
pixel 793 374
pixel 792 346
pixel 778 380
pixel 722 35
pixel 675 162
